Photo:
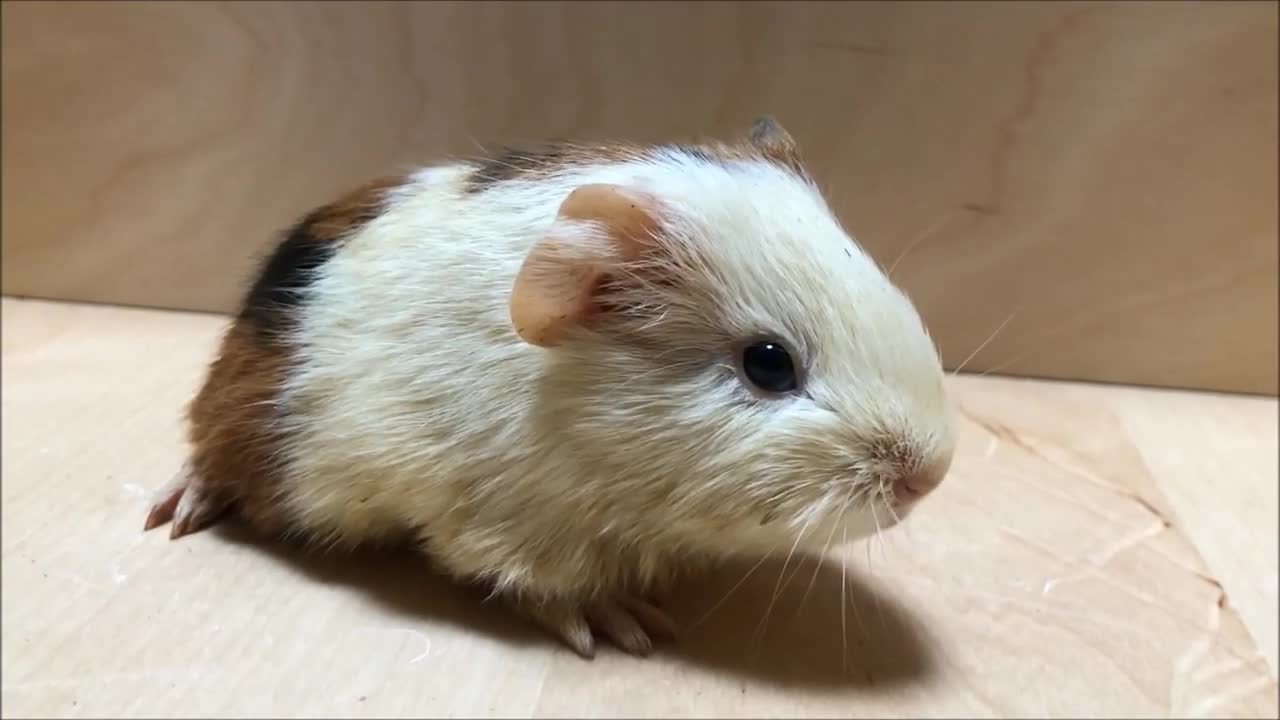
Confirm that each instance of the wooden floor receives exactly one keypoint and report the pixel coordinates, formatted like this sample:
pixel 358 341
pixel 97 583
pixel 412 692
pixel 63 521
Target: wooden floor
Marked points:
pixel 1097 551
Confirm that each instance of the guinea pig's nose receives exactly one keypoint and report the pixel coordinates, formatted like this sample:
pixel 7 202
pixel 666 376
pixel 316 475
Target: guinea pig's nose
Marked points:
pixel 911 487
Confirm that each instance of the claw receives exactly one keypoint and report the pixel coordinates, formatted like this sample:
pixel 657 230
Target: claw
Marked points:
pixel 653 619
pixel 630 623
pixel 621 627
pixel 576 632
pixel 187 502
pixel 162 511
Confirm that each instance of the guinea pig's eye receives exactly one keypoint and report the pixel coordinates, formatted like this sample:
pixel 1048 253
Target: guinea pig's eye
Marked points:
pixel 768 366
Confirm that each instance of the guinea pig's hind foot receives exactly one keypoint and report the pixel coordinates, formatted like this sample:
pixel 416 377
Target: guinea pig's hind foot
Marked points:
pixel 630 623
pixel 188 502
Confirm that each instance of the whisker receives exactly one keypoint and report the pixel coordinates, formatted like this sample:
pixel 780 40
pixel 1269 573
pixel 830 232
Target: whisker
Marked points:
pixel 777 588
pixel 875 599
pixel 844 579
pixel 886 492
pixel 479 145
pixel 1003 365
pixel 928 232
pixel 733 589
pixel 844 507
pixel 867 543
pixel 884 495
pixel 974 354
pixel 897 520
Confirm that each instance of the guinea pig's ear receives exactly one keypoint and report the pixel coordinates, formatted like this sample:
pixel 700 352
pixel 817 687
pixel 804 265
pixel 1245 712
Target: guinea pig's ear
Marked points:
pixel 597 227
pixel 774 142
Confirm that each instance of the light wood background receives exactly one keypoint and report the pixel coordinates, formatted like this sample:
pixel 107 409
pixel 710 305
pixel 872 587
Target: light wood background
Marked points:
pixel 1105 174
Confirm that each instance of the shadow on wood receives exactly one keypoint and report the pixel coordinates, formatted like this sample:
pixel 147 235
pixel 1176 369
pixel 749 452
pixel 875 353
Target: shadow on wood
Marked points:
pixel 721 614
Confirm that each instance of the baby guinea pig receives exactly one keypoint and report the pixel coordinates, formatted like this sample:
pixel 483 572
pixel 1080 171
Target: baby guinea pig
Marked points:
pixel 569 374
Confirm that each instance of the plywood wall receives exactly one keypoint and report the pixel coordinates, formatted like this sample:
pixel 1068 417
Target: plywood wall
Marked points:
pixel 1104 174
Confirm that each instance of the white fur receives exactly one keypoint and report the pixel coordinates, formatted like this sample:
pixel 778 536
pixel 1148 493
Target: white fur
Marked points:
pixel 610 460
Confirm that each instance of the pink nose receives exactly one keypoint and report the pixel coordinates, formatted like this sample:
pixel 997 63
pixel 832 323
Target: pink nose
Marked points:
pixel 910 488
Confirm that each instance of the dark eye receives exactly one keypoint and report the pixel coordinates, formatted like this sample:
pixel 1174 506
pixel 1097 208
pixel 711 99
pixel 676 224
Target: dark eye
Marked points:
pixel 768 366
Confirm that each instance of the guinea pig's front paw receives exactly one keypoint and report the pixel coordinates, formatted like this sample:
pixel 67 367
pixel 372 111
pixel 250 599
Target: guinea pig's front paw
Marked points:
pixel 629 622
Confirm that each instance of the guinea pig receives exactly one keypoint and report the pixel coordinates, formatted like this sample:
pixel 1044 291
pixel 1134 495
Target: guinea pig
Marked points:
pixel 570 374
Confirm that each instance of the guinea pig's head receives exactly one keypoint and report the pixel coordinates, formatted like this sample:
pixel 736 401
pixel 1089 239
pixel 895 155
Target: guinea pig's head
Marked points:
pixel 736 369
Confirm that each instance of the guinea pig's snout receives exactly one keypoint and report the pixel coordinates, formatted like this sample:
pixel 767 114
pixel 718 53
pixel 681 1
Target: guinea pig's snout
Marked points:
pixel 911 487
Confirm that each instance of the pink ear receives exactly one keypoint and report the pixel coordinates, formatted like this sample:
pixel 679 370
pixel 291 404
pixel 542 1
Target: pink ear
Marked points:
pixel 597 227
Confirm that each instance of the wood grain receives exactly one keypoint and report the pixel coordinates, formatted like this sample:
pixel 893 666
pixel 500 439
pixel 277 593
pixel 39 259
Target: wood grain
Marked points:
pixel 1069 567
pixel 1104 173
pixel 1222 484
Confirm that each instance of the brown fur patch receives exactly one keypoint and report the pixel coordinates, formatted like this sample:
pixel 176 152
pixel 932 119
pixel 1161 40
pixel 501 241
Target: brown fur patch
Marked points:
pixel 337 220
pixel 775 144
pixel 232 427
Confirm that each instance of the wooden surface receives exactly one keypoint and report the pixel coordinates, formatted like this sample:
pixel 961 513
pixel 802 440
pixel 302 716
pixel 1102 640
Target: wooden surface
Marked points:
pixel 1097 551
pixel 1104 173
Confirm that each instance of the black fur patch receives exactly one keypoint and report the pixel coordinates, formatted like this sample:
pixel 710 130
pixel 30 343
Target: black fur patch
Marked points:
pixel 284 279
pixel 512 162
pixel 694 151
